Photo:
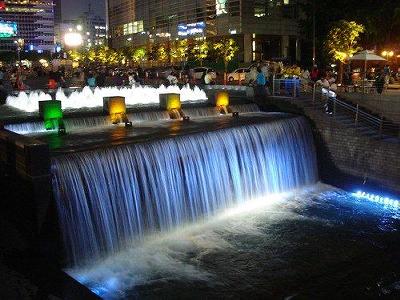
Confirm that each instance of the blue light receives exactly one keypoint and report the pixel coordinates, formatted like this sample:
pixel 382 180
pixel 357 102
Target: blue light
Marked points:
pixel 376 198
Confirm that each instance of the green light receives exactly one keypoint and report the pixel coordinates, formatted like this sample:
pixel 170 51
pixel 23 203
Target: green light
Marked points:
pixel 51 113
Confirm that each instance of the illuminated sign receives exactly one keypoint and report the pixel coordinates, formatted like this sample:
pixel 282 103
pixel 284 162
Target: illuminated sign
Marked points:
pixel 220 7
pixel 191 29
pixel 2 5
pixel 8 29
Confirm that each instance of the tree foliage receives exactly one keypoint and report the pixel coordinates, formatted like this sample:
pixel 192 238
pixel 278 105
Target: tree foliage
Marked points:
pixel 226 49
pixel 139 54
pixel 200 51
pixel 342 39
pixel 162 54
pixel 380 18
pixel 179 50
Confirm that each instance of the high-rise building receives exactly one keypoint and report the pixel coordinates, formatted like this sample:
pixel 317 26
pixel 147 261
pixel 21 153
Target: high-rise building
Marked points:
pixel 94 28
pixel 57 12
pixel 264 29
pixel 34 20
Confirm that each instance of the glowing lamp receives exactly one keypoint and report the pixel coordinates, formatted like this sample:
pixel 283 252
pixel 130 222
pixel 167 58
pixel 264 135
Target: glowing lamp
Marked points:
pixel 115 107
pixel 222 99
pixel 73 39
pixel 52 115
pixel 170 101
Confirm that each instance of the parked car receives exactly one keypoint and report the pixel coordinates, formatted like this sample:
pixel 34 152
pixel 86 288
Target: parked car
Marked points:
pixel 197 73
pixel 238 75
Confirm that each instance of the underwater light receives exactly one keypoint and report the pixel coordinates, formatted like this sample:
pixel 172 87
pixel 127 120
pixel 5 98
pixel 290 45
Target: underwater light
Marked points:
pixel 115 107
pixel 222 99
pixel 222 102
pixel 170 101
pixel 52 115
pixel 378 199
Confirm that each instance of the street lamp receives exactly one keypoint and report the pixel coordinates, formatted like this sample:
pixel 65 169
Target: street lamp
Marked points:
pixel 20 45
pixel 73 39
pixel 387 54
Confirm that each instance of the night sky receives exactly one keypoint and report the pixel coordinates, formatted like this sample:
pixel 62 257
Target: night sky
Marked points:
pixel 74 8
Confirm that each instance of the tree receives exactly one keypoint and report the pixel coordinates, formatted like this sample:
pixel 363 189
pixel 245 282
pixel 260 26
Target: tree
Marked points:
pixel 200 51
pixel 151 50
pixel 341 42
pixel 139 55
pixel 179 50
pixel 380 18
pixel 226 49
pixel 162 54
pixel 91 55
pixel 77 56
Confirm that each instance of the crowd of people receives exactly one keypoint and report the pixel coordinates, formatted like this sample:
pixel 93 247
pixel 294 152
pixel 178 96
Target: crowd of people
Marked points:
pixel 260 76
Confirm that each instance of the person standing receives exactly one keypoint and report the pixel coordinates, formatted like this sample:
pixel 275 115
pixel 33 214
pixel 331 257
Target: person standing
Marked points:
pixel 314 75
pixel 208 78
pixel 91 81
pixel 261 81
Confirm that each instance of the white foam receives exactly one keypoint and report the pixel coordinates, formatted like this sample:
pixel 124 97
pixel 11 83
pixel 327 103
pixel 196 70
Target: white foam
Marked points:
pixel 88 98
pixel 175 255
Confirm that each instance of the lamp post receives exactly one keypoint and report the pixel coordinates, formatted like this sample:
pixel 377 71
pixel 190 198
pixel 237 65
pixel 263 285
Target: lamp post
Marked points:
pixel 20 45
pixel 388 54
pixel 314 59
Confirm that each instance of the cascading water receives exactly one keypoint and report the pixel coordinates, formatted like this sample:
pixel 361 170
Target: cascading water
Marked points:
pixel 74 124
pixel 113 196
pixel 91 98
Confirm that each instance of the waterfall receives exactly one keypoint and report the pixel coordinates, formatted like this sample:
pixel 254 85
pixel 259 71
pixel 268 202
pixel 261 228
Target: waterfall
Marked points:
pixel 73 124
pixel 112 197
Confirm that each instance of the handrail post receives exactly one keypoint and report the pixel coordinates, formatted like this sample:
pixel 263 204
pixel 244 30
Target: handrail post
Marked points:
pixel 273 85
pixel 357 111
pixel 334 106
pixel 314 93
pixel 294 88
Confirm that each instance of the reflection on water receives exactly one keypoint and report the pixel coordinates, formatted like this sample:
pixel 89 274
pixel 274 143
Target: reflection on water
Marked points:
pixel 319 242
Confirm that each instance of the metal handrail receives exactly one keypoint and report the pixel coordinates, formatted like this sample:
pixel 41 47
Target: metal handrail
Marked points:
pixel 383 125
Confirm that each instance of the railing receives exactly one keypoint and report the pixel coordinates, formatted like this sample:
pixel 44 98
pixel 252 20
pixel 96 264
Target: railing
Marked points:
pixel 337 107
pixel 286 87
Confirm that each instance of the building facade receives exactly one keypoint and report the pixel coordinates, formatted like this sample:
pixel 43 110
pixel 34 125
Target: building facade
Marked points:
pixel 34 20
pixel 264 29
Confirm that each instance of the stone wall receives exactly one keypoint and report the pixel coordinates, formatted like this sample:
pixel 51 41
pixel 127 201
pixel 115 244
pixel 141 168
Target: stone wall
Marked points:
pixel 346 157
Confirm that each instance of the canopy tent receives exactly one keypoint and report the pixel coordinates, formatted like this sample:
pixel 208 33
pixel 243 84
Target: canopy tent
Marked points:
pixel 366 56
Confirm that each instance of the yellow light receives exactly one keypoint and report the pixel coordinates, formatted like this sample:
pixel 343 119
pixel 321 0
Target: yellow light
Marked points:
pixel 391 53
pixel 222 98
pixel 116 108
pixel 73 39
pixel 170 101
pixel 384 53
